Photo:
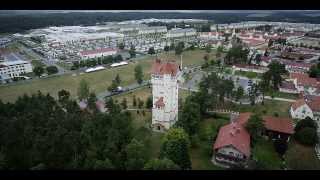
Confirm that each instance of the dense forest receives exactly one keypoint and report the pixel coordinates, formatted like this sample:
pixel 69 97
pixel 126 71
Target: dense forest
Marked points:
pixel 12 23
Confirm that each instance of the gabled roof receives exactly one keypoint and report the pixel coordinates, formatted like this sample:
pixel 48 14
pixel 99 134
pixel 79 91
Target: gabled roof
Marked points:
pixel 283 125
pixel 298 103
pixel 313 102
pixel 235 134
pixel 162 68
pixel 288 85
pixel 305 80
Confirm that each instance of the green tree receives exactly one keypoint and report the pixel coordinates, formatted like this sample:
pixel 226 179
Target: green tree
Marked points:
pixel 151 50
pixel 307 136
pixel 306 122
pixel 103 165
pixel 117 79
pixel 118 58
pixel 63 97
pixel 140 103
pixel 121 46
pixel 149 103
pixel 166 48
pixel 38 71
pixel 83 90
pixel 124 103
pixel 190 117
pixel 273 75
pixel 134 101
pixel 179 48
pixel 132 52
pixel 52 69
pixel 161 164
pixel 255 126
pixel 92 99
pixel 208 48
pixel 138 73
pixel 239 93
pixel 314 71
pixel 175 146
pixel 136 155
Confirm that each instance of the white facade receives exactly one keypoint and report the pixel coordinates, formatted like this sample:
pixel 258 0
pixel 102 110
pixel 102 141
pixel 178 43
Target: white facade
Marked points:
pixel 301 112
pixel 165 91
pixel 15 68
pixel 176 33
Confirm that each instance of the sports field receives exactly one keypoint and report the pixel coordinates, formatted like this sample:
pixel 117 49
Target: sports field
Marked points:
pixel 99 81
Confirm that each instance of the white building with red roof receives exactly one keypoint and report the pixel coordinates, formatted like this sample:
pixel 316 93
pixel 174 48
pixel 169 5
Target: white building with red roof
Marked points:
pixel 232 146
pixel 87 54
pixel 307 106
pixel 305 84
pixel 164 79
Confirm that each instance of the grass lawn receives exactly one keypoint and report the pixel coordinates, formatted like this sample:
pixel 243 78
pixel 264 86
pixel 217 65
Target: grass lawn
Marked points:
pixel 269 108
pixel 264 152
pixel 36 63
pixel 201 154
pixel 142 93
pixel 99 81
pixel 282 95
pixel 250 75
pixel 300 157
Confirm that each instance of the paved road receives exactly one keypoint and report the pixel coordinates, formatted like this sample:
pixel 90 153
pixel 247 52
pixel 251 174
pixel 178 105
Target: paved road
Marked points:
pixel 131 87
pixel 280 99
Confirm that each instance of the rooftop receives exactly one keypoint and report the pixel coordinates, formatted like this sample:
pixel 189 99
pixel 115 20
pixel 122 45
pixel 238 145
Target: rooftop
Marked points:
pixel 278 124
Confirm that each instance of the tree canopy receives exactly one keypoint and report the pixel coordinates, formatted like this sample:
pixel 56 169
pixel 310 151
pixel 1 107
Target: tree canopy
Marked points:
pixel 175 146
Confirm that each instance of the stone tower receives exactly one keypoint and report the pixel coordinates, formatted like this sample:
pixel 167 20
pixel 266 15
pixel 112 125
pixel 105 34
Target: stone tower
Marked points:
pixel 164 80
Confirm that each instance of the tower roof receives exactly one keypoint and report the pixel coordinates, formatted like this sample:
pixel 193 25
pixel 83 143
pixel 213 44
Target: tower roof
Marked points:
pixel 161 68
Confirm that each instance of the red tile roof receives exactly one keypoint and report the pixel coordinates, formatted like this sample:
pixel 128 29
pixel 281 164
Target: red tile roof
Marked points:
pixel 313 102
pixel 288 85
pixel 243 118
pixel 235 134
pixel 298 103
pixel 162 68
pixel 160 102
pixel 96 51
pixel 305 80
pixel 283 125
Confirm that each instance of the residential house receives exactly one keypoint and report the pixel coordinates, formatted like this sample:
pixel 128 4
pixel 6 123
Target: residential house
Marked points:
pixel 305 84
pixel 232 146
pixel 278 127
pixel 288 87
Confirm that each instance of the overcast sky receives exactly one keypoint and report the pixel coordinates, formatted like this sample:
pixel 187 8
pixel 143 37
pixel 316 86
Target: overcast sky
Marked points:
pixel 180 11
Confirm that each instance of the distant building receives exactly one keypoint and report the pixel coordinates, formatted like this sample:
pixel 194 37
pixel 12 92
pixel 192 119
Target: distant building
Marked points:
pixel 15 68
pixel 164 79
pixel 305 84
pixel 98 53
pixel 179 33
pixel 288 87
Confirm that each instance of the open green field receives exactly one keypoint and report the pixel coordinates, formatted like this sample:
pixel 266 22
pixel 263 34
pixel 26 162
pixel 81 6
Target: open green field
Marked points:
pixel 99 81
pixel 300 157
pixel 250 75
pixel 282 95
pixel 270 107
pixel 264 152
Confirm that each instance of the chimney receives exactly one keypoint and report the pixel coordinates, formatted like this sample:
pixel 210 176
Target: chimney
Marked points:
pixel 238 130
pixel 233 117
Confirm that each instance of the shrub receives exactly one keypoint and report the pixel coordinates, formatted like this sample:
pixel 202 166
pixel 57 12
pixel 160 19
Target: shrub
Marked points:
pixel 307 136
